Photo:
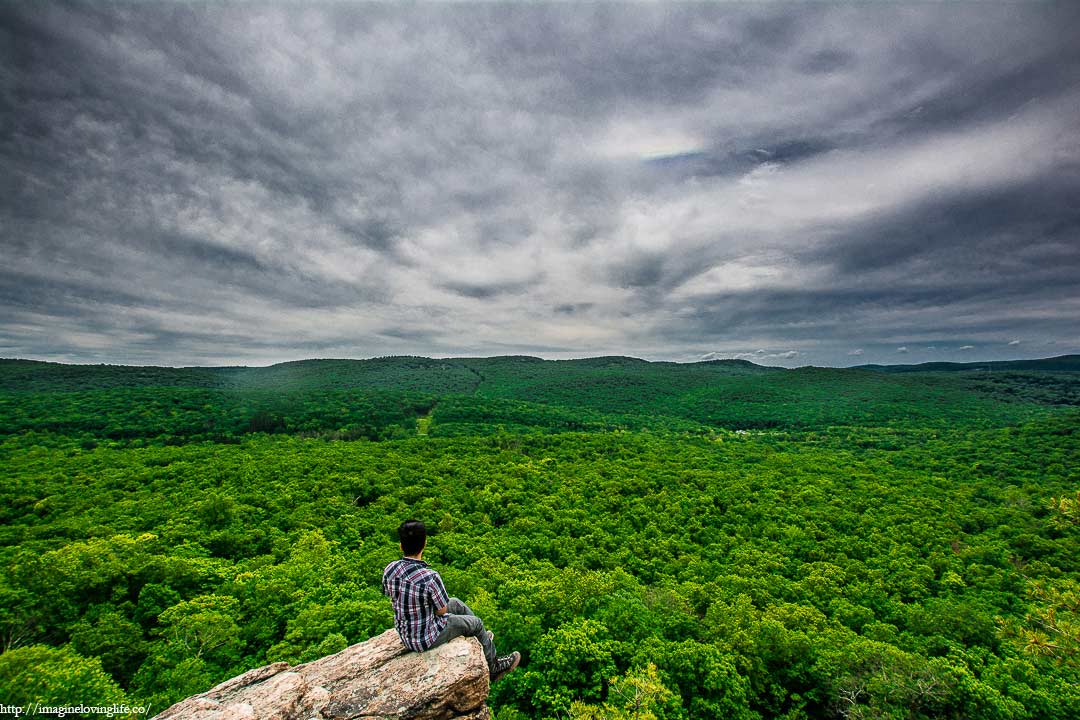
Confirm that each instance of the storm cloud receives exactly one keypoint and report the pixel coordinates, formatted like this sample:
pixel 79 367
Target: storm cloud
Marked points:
pixel 818 184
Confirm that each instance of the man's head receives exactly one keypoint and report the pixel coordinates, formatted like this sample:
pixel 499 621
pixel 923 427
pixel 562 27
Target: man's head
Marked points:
pixel 413 536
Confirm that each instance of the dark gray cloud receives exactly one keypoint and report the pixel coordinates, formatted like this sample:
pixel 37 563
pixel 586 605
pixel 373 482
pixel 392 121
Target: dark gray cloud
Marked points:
pixel 970 237
pixel 205 183
pixel 482 291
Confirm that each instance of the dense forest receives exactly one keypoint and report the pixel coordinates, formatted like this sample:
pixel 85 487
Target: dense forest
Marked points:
pixel 659 540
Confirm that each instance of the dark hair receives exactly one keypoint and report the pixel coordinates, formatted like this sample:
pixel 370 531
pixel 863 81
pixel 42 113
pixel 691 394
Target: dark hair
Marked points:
pixel 413 536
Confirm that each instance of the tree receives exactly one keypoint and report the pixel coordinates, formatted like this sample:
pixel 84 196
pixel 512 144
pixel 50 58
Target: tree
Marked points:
pixel 1051 627
pixel 114 639
pixel 55 676
pixel 638 695
pixel 571 662
pixel 203 627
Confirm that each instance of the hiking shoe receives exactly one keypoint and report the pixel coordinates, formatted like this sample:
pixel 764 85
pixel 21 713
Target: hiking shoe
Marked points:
pixel 504 665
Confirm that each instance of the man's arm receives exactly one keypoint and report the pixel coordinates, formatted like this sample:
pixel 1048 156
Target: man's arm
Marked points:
pixel 439 597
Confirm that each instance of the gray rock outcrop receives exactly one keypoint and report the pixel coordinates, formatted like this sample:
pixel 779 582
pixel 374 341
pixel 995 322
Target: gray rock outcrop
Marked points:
pixel 371 680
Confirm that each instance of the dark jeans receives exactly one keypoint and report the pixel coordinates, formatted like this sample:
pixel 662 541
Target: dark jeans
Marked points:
pixel 461 622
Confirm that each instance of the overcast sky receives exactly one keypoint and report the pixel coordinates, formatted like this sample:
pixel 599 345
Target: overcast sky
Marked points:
pixel 247 183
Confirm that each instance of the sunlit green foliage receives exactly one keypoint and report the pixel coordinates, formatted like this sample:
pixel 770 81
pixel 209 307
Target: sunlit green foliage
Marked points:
pixel 660 541
pixel 54 676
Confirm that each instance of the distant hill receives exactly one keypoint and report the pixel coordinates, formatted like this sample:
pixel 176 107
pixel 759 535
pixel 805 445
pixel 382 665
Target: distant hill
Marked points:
pixel 498 376
pixel 406 372
pixel 390 397
pixel 1062 363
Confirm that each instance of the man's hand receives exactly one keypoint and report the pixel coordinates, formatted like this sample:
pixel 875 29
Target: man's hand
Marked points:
pixel 441 611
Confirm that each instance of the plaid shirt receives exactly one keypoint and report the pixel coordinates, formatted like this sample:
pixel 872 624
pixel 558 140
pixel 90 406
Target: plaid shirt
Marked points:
pixel 417 592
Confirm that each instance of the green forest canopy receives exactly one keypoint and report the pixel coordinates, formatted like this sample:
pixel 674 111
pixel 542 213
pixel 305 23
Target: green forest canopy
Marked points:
pixel 738 541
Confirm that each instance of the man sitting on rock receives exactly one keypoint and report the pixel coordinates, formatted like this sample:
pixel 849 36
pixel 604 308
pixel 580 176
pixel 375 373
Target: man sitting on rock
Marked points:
pixel 423 614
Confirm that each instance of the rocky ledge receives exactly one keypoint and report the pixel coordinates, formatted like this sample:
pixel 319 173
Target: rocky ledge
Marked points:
pixel 371 680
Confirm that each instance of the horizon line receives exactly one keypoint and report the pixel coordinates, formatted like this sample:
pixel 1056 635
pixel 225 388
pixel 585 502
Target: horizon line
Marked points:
pixel 972 363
